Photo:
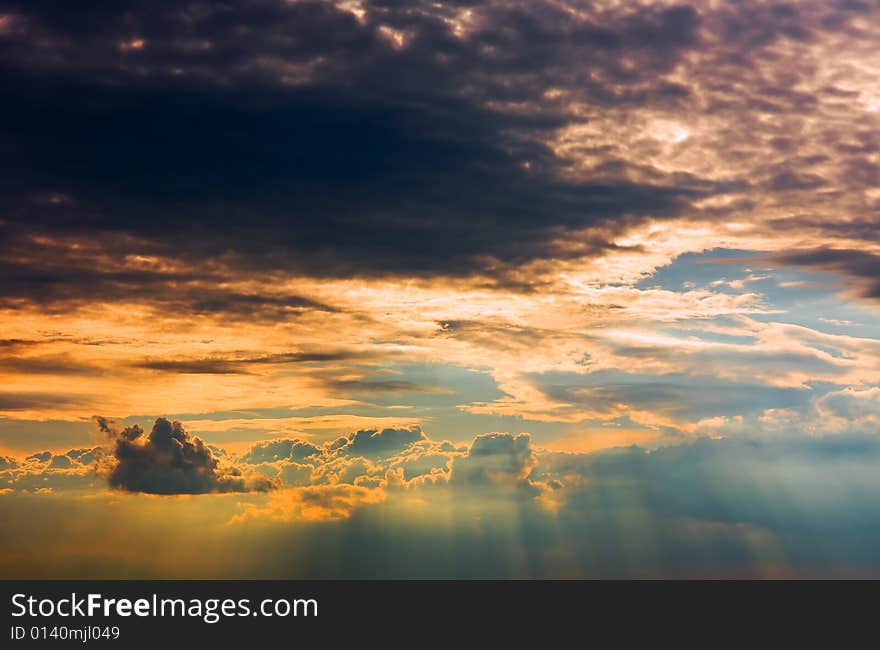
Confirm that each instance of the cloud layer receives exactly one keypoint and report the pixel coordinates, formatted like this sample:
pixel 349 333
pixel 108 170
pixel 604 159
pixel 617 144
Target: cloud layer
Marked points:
pixel 498 508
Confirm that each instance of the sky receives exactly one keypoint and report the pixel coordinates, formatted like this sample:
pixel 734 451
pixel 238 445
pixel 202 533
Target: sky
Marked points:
pixel 516 289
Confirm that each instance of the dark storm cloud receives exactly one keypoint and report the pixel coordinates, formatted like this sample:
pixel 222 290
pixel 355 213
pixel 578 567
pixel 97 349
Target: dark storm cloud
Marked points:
pixel 49 280
pixel 299 137
pixel 169 461
pixel 405 139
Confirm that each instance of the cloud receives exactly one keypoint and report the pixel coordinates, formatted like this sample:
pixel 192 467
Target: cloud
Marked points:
pixel 786 484
pixel 414 162
pixel 345 469
pixel 47 473
pixel 792 506
pixel 851 403
pixel 26 401
pixel 169 461
pixel 860 267
pixel 207 194
pixel 47 365
pixel 313 503
pixel 427 458
pixel 60 462
pixel 296 474
pixel 359 387
pixel 233 365
pixel 373 443
pixel 85 456
pixel 273 450
pixel 736 480
pixel 364 457
pixel 710 508
pixel 495 459
pixel 684 396
pixel 522 166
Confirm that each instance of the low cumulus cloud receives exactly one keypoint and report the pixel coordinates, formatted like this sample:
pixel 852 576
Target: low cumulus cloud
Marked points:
pixel 169 461
pixel 402 458
pixel 852 404
pixel 737 506
pixel 712 507
pixel 274 450
pixel 495 458
pixel 735 469
pixel 363 458
pixel 732 480
pixel 44 472
pixel 374 443
pixel 363 468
